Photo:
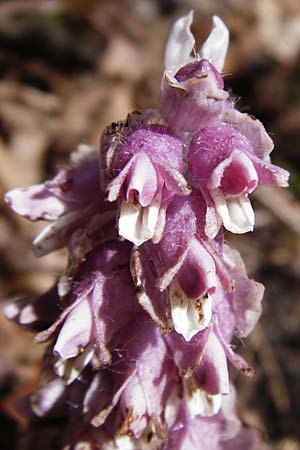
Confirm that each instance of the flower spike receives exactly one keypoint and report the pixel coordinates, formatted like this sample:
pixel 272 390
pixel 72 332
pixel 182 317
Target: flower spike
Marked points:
pixel 139 329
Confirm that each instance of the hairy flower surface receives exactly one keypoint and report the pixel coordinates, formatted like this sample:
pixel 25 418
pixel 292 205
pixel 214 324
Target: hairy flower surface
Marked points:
pixel 140 326
pixel 72 201
pixel 149 166
pixel 192 93
pixel 225 167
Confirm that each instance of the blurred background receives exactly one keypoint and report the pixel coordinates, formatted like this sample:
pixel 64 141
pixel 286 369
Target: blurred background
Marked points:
pixel 69 68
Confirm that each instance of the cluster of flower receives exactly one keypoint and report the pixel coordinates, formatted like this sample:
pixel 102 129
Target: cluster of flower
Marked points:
pixel 139 327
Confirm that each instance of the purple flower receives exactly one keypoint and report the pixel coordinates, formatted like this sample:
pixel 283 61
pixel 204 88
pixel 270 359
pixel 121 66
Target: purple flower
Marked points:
pixel 72 201
pixel 225 167
pixel 148 168
pixel 220 432
pixel 140 335
pixel 181 273
pixel 101 302
pixel 192 93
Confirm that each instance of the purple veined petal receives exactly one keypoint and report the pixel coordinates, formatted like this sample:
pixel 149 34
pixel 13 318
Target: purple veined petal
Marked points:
pixel 236 212
pixel 185 216
pixel 188 355
pixel 51 332
pixel 247 295
pixel 147 392
pixel 77 184
pixel 142 381
pixel 71 201
pixel 212 373
pixel 269 174
pixel 252 128
pixel 199 205
pixel 234 358
pixel 166 278
pixel 114 187
pixel 76 331
pixel 197 275
pixel 189 316
pixel 142 181
pixel 193 101
pixel 169 254
pixel 195 271
pixel 246 439
pixel 223 312
pixel 212 145
pixel 215 47
pixel 194 434
pixel 36 313
pixel 180 43
pixel 174 181
pixel 100 417
pixel 35 202
pixel 154 302
pixel 235 175
pixel 216 252
pixel 101 302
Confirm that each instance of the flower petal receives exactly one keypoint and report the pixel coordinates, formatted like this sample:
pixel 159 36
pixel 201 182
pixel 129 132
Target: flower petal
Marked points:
pixel 269 174
pixel 142 180
pixel 200 403
pixel 70 369
pixel 52 236
pixel 236 212
pixel 212 374
pixel 234 175
pixel 75 332
pixel 180 43
pixel 189 316
pixel 197 275
pixel 35 202
pixel 216 45
pixel 47 396
pixel 137 224
pixel 252 128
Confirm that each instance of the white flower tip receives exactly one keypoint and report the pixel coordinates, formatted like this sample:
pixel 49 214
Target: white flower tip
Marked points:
pixel 27 315
pixel 70 369
pixel 137 224
pixel 189 316
pixel 236 212
pixel 43 400
pixel 11 311
pixel 216 45
pixel 180 43
pixel 200 402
